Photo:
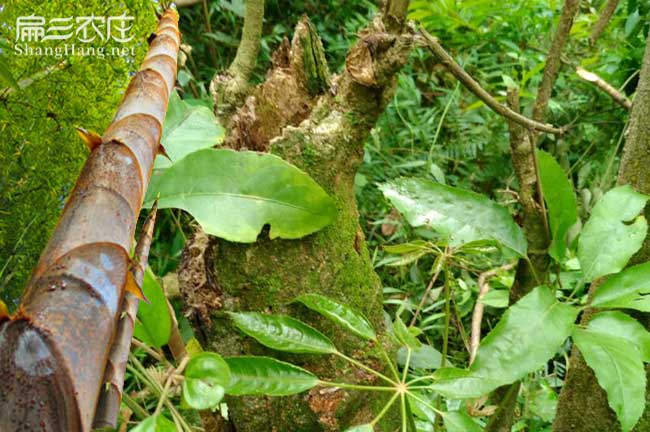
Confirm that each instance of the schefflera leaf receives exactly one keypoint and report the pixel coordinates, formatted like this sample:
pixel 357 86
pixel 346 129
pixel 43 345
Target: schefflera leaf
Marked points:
pixel 187 128
pixel 234 194
pixel 206 377
pixel 283 333
pixel 614 356
pixel 460 215
pixel 614 232
pixel 560 201
pixel 529 333
pixel 252 375
pixel 340 314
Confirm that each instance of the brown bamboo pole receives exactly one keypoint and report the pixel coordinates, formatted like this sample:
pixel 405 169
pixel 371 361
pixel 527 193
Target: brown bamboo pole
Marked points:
pixel 54 350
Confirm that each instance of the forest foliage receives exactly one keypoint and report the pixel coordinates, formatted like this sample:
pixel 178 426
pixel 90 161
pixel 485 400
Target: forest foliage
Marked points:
pixel 438 204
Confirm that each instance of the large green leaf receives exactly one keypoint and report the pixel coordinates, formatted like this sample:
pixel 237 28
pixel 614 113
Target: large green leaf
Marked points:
pixel 283 333
pixel 187 128
pixel 234 194
pixel 529 333
pixel 560 201
pixel 619 324
pixel 157 423
pixel 456 421
pixel 629 289
pixel 619 369
pixel 458 214
pixel 340 314
pixel 154 324
pixel 206 377
pixel 613 233
pixel 252 375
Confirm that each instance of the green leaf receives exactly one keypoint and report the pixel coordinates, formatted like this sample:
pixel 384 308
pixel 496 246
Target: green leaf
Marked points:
pixel 404 335
pixel 206 377
pixel 628 289
pixel 361 428
pixel 234 194
pixel 560 201
pixel 187 128
pixel 456 421
pixel 529 333
pixel 283 333
pixel 619 324
pixel 424 357
pixel 340 314
pixel 619 369
pixel 252 375
pixel 458 214
pixel 154 324
pixel 497 298
pixel 613 233
pixel 156 423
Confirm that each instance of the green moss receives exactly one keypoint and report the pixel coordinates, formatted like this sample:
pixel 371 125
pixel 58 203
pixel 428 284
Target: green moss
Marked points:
pixel 40 154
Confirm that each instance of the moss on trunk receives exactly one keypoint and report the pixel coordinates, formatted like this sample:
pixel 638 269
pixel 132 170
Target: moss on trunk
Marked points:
pixel 266 276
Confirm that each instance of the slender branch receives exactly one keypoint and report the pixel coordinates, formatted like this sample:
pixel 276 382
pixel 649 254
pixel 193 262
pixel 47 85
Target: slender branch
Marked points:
pixel 108 406
pixel 26 82
pixel 183 3
pixel 472 85
pixel 477 316
pixel 440 262
pixel 593 78
pixel 553 58
pixel 603 20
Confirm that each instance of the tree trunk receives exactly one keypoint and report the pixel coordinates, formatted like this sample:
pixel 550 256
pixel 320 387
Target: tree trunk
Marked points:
pixel 324 136
pixel 583 405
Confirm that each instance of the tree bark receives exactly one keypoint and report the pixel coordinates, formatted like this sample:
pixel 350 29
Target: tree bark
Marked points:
pixel 583 405
pixel 320 126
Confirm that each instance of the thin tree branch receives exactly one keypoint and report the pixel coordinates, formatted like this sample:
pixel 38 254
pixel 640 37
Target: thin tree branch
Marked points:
pixel 26 82
pixel 483 95
pixel 183 3
pixel 603 20
pixel 553 58
pixel 593 78
pixel 108 406
pixel 477 316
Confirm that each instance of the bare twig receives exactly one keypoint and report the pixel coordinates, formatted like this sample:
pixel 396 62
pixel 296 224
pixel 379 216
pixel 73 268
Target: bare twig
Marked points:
pixel 593 78
pixel 603 20
pixel 477 316
pixel 473 86
pixel 108 406
pixel 553 58
pixel 439 264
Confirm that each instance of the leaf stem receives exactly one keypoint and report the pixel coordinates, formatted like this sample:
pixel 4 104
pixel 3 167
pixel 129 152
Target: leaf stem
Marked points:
pixel 391 366
pixel 384 410
pixel 355 386
pixel 364 367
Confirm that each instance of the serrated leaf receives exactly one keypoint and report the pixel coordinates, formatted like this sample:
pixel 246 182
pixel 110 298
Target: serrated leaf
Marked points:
pixel 154 324
pixel 456 421
pixel 206 377
pixel 460 215
pixel 340 314
pixel 283 333
pixel 613 233
pixel 560 202
pixel 529 333
pixel 157 423
pixel 619 324
pixel 629 289
pixel 252 375
pixel 187 128
pixel 234 194
pixel 619 370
